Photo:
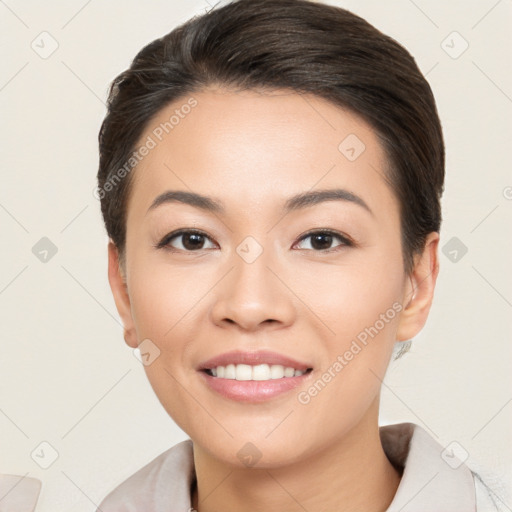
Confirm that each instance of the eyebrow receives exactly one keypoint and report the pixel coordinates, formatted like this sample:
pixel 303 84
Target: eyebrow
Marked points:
pixel 299 201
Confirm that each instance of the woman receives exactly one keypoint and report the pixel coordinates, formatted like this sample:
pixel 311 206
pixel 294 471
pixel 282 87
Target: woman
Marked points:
pixel 270 179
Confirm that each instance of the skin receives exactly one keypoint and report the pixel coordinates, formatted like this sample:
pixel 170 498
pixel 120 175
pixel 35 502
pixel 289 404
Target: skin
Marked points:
pixel 252 151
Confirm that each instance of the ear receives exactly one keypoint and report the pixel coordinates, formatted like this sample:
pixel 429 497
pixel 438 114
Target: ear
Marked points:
pixel 419 291
pixel 120 292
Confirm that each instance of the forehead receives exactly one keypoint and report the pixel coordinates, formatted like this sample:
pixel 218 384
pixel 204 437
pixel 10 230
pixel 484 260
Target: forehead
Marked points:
pixel 257 148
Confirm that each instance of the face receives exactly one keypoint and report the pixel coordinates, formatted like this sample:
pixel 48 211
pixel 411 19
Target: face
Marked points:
pixel 252 281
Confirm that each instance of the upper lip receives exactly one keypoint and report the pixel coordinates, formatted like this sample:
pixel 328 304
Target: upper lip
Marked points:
pixel 252 358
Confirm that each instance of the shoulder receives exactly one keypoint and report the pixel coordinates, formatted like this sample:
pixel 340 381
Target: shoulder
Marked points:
pixel 433 477
pixel 488 489
pixel 164 481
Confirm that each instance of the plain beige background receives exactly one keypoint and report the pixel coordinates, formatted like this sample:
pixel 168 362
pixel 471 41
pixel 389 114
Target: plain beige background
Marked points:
pixel 66 376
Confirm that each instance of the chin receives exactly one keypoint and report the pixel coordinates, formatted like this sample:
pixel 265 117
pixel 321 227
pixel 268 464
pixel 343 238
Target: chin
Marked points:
pixel 255 454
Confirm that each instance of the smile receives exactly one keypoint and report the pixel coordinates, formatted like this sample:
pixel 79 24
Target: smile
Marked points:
pixel 253 377
pixel 257 372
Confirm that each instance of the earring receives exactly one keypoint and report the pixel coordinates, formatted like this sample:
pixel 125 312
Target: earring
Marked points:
pixel 400 348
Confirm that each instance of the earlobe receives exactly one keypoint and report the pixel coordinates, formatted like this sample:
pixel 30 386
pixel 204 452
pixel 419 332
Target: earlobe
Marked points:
pixel 419 291
pixel 120 294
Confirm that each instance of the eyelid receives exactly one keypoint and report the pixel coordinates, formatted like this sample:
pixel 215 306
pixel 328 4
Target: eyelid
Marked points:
pixel 174 234
pixel 346 240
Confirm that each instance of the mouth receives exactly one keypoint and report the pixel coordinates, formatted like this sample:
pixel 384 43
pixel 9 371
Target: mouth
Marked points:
pixel 253 376
pixel 260 372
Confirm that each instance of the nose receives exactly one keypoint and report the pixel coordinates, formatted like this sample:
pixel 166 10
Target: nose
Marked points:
pixel 254 296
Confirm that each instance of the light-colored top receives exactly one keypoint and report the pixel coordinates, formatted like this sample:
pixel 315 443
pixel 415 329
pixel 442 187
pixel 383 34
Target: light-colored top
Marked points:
pixel 19 493
pixel 433 479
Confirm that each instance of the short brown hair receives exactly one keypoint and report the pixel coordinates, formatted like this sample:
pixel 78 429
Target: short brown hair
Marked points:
pixel 287 44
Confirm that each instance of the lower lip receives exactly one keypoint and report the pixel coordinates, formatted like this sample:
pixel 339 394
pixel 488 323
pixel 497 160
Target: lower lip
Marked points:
pixel 253 391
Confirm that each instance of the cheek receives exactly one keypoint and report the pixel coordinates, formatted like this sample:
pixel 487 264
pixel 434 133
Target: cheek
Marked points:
pixel 164 299
pixel 164 305
pixel 360 306
pixel 352 297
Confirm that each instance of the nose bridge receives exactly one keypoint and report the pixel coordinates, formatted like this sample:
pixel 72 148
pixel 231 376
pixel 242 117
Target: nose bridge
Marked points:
pixel 251 293
pixel 252 281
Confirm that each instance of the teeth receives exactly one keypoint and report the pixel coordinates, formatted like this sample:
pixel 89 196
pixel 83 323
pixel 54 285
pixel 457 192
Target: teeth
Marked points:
pixel 243 372
pixel 229 372
pixel 260 372
pixel 289 372
pixel 276 371
pixel 257 372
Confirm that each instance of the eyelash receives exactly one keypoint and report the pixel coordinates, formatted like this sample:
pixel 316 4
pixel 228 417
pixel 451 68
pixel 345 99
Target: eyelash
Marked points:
pixel 346 242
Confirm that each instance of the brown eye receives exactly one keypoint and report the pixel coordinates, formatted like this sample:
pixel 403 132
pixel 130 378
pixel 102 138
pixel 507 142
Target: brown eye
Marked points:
pixel 323 240
pixel 187 241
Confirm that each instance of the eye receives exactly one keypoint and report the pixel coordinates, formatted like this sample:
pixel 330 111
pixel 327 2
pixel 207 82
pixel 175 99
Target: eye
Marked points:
pixel 189 240
pixel 321 240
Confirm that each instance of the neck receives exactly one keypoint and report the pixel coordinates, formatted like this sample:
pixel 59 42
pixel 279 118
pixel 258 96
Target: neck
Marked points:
pixel 353 474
